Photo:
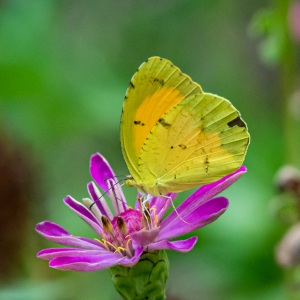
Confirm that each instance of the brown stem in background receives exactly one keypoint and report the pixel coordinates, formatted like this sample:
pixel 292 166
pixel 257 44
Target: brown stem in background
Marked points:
pixel 15 190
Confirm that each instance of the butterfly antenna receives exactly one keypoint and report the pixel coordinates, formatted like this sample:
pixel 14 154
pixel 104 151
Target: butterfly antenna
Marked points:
pixel 110 189
pixel 116 176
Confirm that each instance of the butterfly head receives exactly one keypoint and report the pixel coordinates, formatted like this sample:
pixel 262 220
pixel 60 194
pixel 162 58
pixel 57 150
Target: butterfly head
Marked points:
pixel 146 188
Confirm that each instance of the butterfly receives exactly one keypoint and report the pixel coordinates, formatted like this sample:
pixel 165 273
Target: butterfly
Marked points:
pixel 174 136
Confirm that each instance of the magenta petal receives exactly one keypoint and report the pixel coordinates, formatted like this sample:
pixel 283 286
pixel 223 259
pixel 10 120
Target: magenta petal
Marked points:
pixel 101 172
pixel 206 213
pixel 144 237
pixel 57 234
pixel 86 263
pixel 180 246
pixel 117 197
pixel 129 262
pixel 51 229
pixel 52 253
pixel 84 214
pixel 205 193
pixel 99 200
pixel 159 201
pixel 162 204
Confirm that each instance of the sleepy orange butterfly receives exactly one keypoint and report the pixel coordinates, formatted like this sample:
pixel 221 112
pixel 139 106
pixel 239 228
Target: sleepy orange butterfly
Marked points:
pixel 174 136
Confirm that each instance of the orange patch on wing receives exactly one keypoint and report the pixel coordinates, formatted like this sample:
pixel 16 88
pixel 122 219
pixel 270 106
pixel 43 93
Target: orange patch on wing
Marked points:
pixel 149 112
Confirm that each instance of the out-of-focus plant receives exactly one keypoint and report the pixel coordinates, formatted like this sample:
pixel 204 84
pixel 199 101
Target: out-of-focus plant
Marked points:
pixel 16 182
pixel 287 251
pixel 279 30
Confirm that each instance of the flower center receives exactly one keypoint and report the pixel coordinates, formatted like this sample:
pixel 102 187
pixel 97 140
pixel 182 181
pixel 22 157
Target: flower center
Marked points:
pixel 116 233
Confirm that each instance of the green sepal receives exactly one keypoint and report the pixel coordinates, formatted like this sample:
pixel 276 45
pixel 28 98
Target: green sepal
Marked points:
pixel 145 280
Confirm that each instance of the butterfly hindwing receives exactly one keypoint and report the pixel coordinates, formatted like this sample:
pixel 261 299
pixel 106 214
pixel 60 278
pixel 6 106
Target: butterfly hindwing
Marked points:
pixel 198 141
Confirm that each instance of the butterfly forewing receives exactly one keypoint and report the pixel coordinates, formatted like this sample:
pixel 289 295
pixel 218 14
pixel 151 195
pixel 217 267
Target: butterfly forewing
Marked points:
pixel 155 88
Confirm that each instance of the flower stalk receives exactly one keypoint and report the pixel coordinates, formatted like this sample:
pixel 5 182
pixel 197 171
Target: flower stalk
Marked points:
pixel 145 280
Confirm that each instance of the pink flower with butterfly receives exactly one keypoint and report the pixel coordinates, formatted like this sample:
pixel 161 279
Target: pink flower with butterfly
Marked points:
pixel 122 236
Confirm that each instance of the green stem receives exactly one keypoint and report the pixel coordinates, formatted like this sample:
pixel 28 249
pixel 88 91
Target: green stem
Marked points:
pixel 288 73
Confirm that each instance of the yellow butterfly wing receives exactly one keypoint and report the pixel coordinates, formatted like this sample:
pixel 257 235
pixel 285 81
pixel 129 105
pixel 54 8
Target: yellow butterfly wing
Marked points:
pixel 173 135
pixel 155 88
pixel 200 140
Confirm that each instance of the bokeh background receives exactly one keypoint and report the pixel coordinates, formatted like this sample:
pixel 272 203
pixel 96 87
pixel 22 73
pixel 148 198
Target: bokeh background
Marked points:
pixel 64 70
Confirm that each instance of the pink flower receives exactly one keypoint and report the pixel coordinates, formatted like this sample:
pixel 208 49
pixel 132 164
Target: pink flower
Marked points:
pixel 123 237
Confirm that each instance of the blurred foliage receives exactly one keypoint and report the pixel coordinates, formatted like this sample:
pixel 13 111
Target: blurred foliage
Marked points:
pixel 268 23
pixel 64 70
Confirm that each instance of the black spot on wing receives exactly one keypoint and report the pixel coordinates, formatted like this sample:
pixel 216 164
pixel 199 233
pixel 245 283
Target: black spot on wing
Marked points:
pixel 137 122
pixel 236 122
pixel 182 146
pixel 131 85
pixel 206 160
pixel 160 81
pixel 164 123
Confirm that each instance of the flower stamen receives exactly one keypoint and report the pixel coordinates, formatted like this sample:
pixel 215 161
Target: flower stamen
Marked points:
pixel 107 226
pixel 122 226
pixel 147 216
pixel 155 217
pixel 119 249
pixel 103 243
pixel 110 244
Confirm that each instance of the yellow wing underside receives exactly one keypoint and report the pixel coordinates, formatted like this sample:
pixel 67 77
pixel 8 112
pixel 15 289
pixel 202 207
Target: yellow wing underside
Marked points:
pixel 173 135
pixel 156 87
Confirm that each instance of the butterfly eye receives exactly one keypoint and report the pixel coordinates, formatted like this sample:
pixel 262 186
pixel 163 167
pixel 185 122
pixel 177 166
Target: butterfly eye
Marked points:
pixel 129 181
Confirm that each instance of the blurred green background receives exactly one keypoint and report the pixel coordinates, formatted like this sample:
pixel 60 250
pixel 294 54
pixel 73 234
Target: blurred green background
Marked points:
pixel 64 70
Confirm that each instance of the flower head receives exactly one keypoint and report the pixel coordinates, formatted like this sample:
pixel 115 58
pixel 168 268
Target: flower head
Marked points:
pixel 124 235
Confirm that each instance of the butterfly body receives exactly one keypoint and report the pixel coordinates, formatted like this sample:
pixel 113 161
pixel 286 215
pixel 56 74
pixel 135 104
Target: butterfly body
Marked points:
pixel 174 136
